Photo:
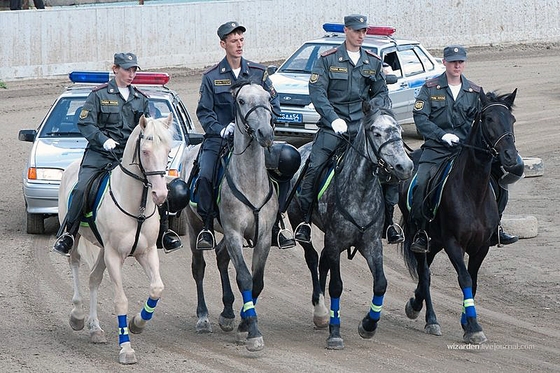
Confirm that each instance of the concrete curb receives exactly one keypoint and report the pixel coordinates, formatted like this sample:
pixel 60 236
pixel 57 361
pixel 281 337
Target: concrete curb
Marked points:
pixel 523 226
pixel 533 167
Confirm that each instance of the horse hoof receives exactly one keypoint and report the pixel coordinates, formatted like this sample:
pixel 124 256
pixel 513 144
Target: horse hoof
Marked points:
pixel 76 323
pixel 476 338
pixel 254 344
pixel 203 326
pixel 321 322
pixel 133 328
pixel 242 337
pixel 98 336
pixel 433 329
pixel 127 357
pixel 226 324
pixel 335 343
pixel 364 333
pixel 410 312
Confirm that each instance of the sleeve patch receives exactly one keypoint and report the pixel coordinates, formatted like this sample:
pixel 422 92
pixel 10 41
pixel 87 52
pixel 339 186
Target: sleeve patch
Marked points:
pixel 418 105
pixel 313 78
pixel 83 114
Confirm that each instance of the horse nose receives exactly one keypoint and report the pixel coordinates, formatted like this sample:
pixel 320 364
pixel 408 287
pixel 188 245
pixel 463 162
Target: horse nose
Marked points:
pixel 266 136
pixel 159 196
pixel 405 168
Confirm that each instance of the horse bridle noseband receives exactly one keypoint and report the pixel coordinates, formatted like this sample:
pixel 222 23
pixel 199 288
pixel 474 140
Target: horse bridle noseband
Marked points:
pixel 141 217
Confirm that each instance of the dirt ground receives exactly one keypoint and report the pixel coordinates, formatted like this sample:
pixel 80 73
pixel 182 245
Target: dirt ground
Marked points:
pixel 518 299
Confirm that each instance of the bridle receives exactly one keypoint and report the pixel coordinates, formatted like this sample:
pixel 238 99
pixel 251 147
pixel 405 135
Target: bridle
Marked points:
pixel 490 145
pixel 141 217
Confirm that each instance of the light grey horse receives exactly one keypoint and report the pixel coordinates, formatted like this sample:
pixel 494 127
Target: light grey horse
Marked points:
pixel 350 213
pixel 247 208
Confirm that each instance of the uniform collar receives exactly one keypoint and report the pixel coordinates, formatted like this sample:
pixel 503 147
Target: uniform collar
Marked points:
pixel 342 55
pixel 224 67
pixel 114 88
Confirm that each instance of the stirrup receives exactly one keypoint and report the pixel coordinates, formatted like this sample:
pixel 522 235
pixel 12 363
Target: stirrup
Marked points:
pixel 425 234
pixel 60 238
pixel 213 243
pixel 399 230
pixel 310 232
pixel 172 233
pixel 289 237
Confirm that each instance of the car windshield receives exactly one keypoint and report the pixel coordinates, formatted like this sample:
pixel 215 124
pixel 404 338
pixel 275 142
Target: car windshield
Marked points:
pixel 303 60
pixel 63 119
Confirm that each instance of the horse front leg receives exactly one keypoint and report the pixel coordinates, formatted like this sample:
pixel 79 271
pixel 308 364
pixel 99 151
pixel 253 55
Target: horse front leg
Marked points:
pixel 368 326
pixel 227 317
pixel 150 262
pixel 334 341
pixel 114 264
pixel 247 330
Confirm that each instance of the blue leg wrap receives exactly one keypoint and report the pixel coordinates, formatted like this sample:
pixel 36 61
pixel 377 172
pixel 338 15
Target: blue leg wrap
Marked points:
pixel 468 303
pixel 123 329
pixel 376 305
pixel 335 311
pixel 248 309
pixel 148 310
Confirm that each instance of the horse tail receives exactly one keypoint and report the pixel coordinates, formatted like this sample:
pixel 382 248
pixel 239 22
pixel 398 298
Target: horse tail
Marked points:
pixel 408 255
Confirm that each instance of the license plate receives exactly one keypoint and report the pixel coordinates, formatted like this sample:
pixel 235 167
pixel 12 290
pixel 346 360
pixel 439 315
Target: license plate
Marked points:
pixel 290 118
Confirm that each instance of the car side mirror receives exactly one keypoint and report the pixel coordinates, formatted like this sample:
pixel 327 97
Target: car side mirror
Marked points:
pixel 391 79
pixel 271 69
pixel 27 135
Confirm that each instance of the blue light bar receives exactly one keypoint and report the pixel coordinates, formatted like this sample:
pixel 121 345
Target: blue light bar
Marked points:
pixel 90 76
pixel 333 27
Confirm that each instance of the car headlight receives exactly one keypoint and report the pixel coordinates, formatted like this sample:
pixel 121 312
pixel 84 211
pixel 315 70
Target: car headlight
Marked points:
pixel 46 174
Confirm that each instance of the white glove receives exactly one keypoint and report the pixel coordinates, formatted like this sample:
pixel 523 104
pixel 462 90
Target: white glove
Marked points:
pixel 339 126
pixel 110 144
pixel 450 139
pixel 226 131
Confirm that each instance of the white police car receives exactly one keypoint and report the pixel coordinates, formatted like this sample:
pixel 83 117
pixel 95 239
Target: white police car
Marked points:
pixel 57 141
pixel 409 61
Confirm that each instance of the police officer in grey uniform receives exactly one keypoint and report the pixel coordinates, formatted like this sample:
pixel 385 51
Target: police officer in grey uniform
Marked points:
pixel 107 119
pixel 341 80
pixel 216 114
pixel 443 113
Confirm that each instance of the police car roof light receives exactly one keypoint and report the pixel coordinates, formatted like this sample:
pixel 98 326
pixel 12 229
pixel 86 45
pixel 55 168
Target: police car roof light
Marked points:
pixel 371 30
pixel 98 77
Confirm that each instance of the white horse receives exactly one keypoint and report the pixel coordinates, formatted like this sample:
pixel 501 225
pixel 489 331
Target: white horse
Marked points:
pixel 128 224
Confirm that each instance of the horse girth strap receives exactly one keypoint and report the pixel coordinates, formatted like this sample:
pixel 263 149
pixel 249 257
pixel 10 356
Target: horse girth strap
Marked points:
pixel 240 196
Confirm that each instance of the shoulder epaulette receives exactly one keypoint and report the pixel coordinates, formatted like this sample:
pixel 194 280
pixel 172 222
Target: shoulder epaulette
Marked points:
pixel 254 65
pixel 372 54
pixel 210 69
pixel 330 51
pixel 104 85
pixel 141 92
pixel 432 82
pixel 475 87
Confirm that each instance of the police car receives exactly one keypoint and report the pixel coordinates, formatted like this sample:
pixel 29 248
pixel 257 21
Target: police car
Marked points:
pixel 57 142
pixel 407 60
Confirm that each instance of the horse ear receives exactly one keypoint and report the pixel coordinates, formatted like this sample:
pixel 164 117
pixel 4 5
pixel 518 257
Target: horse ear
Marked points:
pixel 142 121
pixel 169 120
pixel 510 98
pixel 483 97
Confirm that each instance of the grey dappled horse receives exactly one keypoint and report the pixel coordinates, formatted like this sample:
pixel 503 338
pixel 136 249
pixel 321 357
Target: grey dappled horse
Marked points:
pixel 467 216
pixel 350 213
pixel 247 211
pixel 128 224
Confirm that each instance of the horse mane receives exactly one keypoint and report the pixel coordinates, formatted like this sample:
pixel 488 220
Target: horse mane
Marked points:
pixel 158 131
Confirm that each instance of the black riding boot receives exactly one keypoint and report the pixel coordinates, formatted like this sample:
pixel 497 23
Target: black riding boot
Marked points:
pixel 280 235
pixel 393 232
pixel 420 242
pixel 205 239
pixel 167 239
pixel 65 240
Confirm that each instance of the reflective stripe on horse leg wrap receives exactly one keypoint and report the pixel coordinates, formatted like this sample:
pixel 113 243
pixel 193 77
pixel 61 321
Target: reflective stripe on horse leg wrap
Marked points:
pixel 376 305
pixel 123 329
pixel 248 304
pixel 148 310
pixel 335 311
pixel 468 303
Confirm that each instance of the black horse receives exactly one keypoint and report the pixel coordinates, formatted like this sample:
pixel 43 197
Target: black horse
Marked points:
pixel 467 216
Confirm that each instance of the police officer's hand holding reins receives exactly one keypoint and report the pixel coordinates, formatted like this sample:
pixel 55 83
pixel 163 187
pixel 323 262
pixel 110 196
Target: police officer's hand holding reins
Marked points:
pixel 110 144
pixel 339 126
pixel 450 139
pixel 226 131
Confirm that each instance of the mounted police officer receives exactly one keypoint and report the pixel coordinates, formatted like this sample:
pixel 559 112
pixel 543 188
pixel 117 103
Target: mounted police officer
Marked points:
pixel 216 114
pixel 341 80
pixel 443 113
pixel 108 117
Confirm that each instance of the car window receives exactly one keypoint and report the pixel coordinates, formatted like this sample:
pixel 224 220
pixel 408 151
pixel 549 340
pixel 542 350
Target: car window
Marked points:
pixel 411 64
pixel 426 62
pixel 303 60
pixel 391 64
pixel 63 118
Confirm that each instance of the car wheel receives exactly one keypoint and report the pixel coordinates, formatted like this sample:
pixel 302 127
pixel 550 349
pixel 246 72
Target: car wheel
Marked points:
pixel 35 223
pixel 178 224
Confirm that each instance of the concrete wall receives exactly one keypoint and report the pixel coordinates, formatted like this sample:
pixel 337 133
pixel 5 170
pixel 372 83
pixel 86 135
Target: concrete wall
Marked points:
pixel 57 40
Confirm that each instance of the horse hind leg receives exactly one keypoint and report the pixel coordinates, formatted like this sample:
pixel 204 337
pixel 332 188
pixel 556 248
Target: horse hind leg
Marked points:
pixel 77 314
pixel 96 333
pixel 321 315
